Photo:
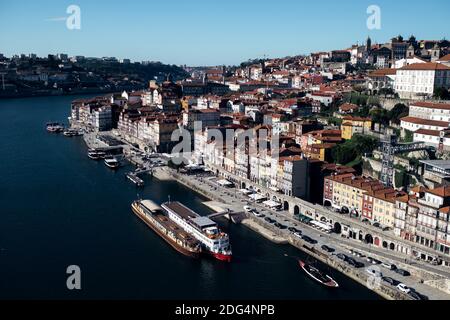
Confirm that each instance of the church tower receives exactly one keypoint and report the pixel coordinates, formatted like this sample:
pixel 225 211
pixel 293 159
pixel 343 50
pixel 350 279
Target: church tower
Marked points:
pixel 410 52
pixel 368 44
pixel 435 53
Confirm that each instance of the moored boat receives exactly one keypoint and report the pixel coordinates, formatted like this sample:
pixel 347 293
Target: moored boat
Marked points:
pixel 318 275
pixel 135 179
pixel 112 162
pixel 96 155
pixel 72 133
pixel 54 127
pixel 214 242
pixel 155 217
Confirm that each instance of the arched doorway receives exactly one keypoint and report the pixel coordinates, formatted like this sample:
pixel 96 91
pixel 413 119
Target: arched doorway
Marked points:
pixel 327 203
pixel 385 245
pixel 286 206
pixel 296 210
pixel 345 210
pixel 392 246
pixel 243 185
pixel 369 239
pixel 337 228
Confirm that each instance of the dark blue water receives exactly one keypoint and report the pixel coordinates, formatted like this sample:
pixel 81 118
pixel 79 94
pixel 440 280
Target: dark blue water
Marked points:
pixel 58 208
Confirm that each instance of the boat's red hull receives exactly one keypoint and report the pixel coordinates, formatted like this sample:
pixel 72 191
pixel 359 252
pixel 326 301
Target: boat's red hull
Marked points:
pixel 222 257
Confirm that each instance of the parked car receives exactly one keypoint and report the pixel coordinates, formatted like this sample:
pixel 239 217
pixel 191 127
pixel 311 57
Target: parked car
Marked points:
pixel 351 261
pixel 248 209
pixel 293 230
pixel 403 288
pixel 374 272
pixel 342 256
pixel 269 220
pixel 355 263
pixel 328 249
pixel 376 225
pixel 375 261
pixel 309 240
pixel 386 229
pixel 403 272
pixel 366 221
pixel 416 296
pixel 298 235
pixel 389 266
pixel 390 281
pixel 257 214
pixel 280 226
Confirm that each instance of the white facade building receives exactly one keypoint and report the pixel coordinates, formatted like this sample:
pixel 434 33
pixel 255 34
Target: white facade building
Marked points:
pixel 421 79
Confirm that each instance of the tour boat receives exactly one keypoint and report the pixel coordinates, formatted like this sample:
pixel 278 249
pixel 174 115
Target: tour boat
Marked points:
pixel 214 242
pixel 54 127
pixel 156 218
pixel 96 155
pixel 318 275
pixel 112 163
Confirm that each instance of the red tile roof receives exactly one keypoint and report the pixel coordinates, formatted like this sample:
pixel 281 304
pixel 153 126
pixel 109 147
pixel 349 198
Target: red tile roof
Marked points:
pixel 383 72
pixel 425 122
pixel 426 66
pixel 431 105
pixel 445 58
pixel 434 133
pixel 441 192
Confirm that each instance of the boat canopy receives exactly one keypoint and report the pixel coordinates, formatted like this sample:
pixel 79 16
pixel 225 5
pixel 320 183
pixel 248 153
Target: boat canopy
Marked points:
pixel 245 191
pixel 150 205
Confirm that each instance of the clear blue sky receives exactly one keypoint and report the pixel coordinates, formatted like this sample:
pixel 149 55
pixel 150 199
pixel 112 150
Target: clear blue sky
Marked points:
pixel 210 32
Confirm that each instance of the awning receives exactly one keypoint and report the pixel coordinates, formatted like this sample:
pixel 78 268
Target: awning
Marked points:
pixel 272 204
pixel 245 191
pixel 322 225
pixel 257 197
pixel 225 183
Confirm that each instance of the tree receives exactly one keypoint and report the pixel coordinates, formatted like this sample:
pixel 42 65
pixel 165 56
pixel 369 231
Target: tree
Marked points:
pixel 399 111
pixel 380 116
pixel 359 88
pixel 409 136
pixel 352 149
pixel 442 93
pixel 386 91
